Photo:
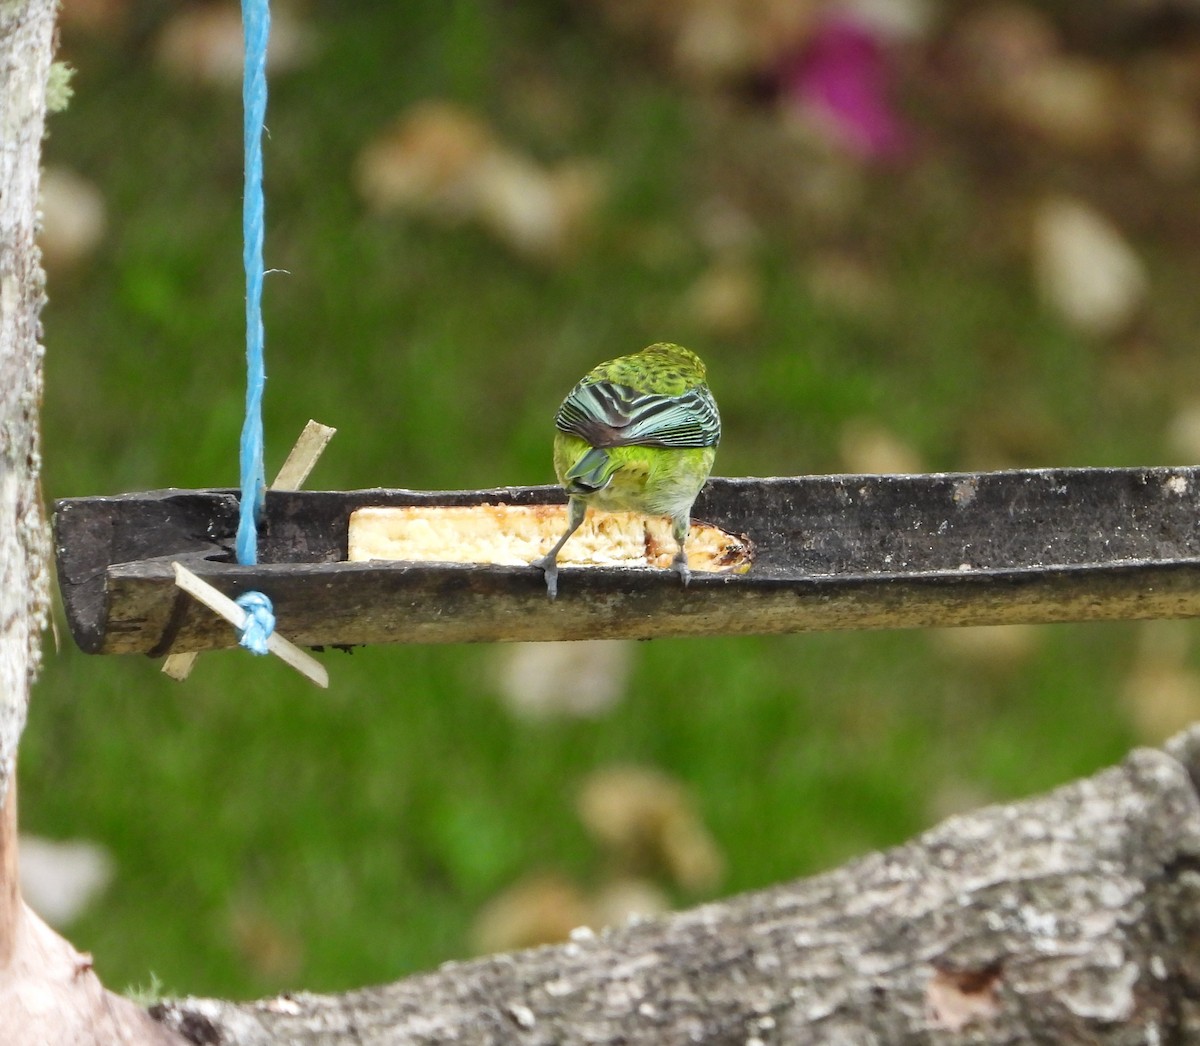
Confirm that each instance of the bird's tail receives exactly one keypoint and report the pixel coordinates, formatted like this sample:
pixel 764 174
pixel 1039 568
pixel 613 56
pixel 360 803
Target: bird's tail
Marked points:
pixel 592 472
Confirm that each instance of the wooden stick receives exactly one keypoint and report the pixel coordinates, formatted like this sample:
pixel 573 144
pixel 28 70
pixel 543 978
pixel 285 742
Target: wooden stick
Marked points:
pixel 179 666
pixel 221 604
pixel 303 456
pixel 309 447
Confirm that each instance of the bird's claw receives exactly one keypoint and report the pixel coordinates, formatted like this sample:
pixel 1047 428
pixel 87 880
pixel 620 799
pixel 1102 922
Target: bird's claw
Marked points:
pixel 550 569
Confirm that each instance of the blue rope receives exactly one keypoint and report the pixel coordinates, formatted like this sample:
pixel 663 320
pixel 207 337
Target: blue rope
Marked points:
pixel 260 621
pixel 256 23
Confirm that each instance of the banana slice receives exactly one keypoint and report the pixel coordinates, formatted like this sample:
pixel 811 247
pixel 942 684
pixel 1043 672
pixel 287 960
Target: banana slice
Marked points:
pixel 516 535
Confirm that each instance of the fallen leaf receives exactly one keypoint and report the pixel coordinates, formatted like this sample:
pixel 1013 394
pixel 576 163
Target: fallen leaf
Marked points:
pixel 867 447
pixel 1003 647
pixel 726 299
pixel 582 679
pixel 542 908
pixel 1084 267
pixel 60 879
pixel 648 823
pixel 204 44
pixel 74 218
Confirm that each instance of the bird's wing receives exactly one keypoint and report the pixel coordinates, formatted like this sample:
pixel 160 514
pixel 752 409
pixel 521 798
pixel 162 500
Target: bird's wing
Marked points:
pixel 605 414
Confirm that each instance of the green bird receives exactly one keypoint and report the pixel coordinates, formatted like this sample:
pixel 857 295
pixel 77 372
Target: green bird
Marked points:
pixel 637 434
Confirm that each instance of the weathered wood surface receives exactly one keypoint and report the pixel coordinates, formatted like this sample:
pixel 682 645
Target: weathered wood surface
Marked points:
pixel 1069 918
pixel 48 991
pixel 832 552
pixel 26 31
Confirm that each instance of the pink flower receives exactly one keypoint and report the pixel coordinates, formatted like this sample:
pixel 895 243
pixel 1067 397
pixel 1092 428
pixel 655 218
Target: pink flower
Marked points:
pixel 843 78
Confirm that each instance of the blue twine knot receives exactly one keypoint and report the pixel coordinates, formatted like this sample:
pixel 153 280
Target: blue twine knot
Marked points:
pixel 260 621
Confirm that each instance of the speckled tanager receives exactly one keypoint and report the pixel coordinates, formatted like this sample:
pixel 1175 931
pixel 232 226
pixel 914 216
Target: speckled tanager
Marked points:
pixel 637 434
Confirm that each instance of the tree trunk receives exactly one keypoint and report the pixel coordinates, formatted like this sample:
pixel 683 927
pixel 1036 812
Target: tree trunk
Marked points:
pixel 25 49
pixel 1070 918
pixel 48 993
pixel 26 30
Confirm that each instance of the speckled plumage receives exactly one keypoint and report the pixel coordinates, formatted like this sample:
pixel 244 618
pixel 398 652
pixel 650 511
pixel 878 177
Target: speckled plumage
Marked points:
pixel 638 433
pixel 662 367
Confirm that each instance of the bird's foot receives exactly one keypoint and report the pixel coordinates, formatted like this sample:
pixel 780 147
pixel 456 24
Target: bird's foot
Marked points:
pixel 681 568
pixel 549 567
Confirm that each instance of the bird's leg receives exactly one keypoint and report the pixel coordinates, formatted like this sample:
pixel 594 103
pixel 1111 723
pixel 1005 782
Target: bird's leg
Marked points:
pixel 680 525
pixel 576 510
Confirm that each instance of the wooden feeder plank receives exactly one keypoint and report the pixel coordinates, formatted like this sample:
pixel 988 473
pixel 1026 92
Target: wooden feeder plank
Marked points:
pixel 831 552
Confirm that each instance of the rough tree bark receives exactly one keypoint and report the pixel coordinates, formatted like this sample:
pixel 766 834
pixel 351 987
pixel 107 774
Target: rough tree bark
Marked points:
pixel 48 993
pixel 25 50
pixel 1070 918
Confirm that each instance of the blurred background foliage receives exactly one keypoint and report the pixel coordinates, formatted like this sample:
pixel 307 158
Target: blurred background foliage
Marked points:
pixel 905 235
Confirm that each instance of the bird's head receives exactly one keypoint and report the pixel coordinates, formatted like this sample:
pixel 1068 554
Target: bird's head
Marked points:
pixel 664 357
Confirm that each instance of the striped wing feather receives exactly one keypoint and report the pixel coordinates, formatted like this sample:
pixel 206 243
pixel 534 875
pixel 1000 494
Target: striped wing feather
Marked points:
pixel 605 414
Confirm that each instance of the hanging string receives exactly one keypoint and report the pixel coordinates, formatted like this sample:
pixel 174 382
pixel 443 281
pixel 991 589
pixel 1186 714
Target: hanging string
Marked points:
pixel 256 24
pixel 253 614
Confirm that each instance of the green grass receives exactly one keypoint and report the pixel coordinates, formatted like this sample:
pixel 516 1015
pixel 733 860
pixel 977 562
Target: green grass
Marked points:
pixel 269 836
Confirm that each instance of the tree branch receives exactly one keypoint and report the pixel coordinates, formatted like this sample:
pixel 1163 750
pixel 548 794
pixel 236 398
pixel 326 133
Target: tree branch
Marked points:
pixel 26 30
pixel 48 992
pixel 1072 917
